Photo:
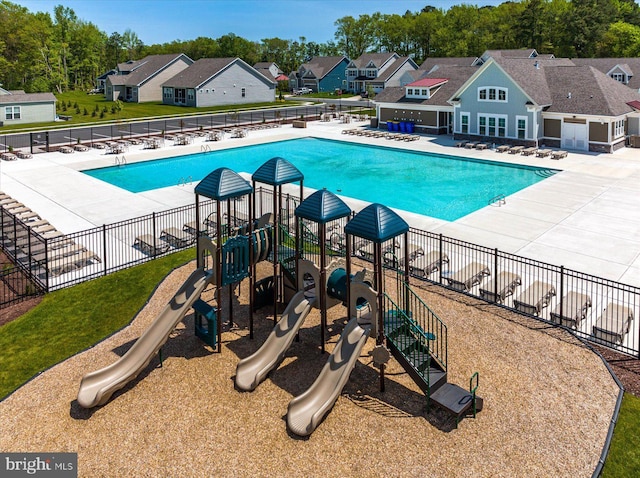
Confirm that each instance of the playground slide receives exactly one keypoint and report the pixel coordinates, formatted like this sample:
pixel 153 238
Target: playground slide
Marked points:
pixel 253 369
pixel 306 411
pixel 97 387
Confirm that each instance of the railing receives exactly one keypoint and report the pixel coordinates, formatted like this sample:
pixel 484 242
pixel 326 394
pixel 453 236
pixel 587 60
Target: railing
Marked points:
pixel 500 200
pixel 593 308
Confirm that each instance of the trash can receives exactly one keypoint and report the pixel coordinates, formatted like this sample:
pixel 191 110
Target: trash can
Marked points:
pixel 410 127
pixel 389 125
pixel 403 126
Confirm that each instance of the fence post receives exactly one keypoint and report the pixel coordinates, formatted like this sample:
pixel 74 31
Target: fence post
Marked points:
pixel 155 246
pixel 104 249
pixel 561 291
pixel 495 275
pixel 441 256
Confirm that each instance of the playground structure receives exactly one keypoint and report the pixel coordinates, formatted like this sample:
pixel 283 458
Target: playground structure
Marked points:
pixel 413 334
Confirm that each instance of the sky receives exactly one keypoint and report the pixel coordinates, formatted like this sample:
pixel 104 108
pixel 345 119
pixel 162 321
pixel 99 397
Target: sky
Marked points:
pixel 163 21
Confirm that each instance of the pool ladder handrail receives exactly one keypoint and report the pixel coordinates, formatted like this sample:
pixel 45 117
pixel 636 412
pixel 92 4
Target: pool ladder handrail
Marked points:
pixel 500 200
pixel 184 181
pixel 205 148
pixel 120 160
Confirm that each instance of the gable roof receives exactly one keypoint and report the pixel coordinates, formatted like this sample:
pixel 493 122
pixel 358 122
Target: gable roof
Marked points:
pixel 142 70
pixel 20 97
pixel 588 91
pixel 456 76
pixel 203 70
pixel 321 66
pixel 394 67
pixel 378 59
pixel 428 82
pixel 606 65
pixel 429 63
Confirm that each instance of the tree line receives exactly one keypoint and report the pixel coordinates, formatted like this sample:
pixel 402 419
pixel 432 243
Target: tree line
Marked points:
pixel 63 52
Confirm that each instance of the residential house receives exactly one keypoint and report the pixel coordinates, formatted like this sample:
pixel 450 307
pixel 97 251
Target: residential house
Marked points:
pixel 218 81
pixel 18 107
pixel 624 70
pixel 269 69
pixel 321 73
pixel 141 80
pixel 377 70
pixel 530 101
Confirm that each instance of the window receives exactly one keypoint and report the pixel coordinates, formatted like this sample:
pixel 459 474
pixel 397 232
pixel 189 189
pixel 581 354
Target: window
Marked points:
pixel 492 94
pixel 12 112
pixel 618 77
pixel 521 126
pixel 371 73
pixel 244 92
pixel 464 123
pixel 425 93
pixel 618 128
pixel 190 94
pixel 492 125
pixel 410 91
pixel 168 93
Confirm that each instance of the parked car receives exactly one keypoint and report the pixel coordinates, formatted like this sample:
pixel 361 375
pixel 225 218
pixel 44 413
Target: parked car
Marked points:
pixel 302 91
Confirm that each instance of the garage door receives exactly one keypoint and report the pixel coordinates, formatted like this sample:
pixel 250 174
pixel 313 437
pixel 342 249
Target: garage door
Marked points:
pixel 575 136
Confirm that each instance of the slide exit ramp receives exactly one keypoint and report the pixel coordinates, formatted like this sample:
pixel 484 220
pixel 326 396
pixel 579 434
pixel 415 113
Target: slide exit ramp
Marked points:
pixel 96 388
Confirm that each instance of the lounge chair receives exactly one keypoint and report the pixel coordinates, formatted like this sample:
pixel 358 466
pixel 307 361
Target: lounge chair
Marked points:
pixel 515 149
pixel 461 144
pixel 81 147
pixel 471 144
pixel 426 264
pixel 365 249
pixel 503 148
pixel 528 151
pixel 534 298
pixel 481 146
pixel 150 245
pixel 471 275
pixel 24 155
pixel 65 149
pixel 571 310
pixel 507 283
pixel 395 258
pixel 176 237
pixel 543 153
pixel 559 154
pixel 8 156
pixel 613 324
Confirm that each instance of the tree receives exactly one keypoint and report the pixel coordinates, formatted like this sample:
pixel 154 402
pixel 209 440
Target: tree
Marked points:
pixel 620 40
pixel 586 23
pixel 354 37
pixel 132 44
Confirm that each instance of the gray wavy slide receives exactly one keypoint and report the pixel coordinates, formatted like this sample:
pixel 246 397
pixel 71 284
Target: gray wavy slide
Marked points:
pixel 253 369
pixel 97 387
pixel 306 411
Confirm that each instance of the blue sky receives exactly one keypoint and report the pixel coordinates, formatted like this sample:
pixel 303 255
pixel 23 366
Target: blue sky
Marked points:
pixel 162 21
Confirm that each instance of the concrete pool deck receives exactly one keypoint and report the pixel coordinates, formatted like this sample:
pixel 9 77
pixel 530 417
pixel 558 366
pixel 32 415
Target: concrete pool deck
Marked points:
pixel 586 218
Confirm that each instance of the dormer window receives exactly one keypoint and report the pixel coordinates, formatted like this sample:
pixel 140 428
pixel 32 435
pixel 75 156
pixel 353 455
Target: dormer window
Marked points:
pixel 492 94
pixel 621 77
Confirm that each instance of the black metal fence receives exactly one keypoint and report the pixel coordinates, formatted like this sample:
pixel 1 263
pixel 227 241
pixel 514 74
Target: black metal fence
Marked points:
pixel 50 140
pixel 597 309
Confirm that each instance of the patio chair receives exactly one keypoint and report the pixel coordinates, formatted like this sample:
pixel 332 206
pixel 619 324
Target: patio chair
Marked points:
pixel 507 283
pixel 176 237
pixel 543 153
pixel 559 154
pixel 471 144
pixel 481 146
pixel 395 258
pixel 502 148
pixel 535 297
pixel 613 324
pixel 515 149
pixel 467 277
pixel 571 310
pixel 528 151
pixel 150 245
pixel 461 144
pixel 426 264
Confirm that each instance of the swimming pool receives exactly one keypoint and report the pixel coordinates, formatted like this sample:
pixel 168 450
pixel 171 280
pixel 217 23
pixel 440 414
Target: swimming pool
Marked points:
pixel 440 186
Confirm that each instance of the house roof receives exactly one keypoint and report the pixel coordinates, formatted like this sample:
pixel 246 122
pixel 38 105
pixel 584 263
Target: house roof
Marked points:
pixel 141 70
pixel 630 65
pixel 20 97
pixel 203 70
pixel 264 67
pixel 378 59
pixel 428 82
pixel 588 91
pixel 452 61
pixel 393 68
pixel 321 66
pixel 456 76
pixel 634 104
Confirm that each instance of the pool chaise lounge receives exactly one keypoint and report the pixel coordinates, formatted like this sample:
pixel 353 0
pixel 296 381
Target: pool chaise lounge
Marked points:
pixel 535 297
pixel 151 245
pixel 469 276
pixel 507 283
pixel 503 148
pixel 571 310
pixel 613 324
pixel 529 151
pixel 426 264
pixel 543 153
pixel 176 237
pixel 516 149
pixel 559 154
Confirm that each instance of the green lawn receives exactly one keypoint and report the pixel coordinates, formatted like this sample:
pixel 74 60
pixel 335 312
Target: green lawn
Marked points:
pixel 624 455
pixel 70 320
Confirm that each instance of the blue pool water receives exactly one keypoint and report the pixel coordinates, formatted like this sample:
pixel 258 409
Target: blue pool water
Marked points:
pixel 439 186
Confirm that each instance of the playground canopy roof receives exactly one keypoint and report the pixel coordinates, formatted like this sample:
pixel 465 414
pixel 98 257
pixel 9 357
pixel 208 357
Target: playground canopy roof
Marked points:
pixel 376 223
pixel 223 183
pixel 322 206
pixel 277 171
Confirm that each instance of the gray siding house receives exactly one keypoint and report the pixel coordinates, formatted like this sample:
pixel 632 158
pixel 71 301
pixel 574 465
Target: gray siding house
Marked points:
pixel 218 81
pixel 18 107
pixel 141 80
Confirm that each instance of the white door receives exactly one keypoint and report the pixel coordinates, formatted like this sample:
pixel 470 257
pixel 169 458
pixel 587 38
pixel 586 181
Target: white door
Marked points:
pixel 575 136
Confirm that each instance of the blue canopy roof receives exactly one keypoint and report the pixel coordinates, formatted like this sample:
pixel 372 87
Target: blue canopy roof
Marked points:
pixel 277 171
pixel 322 206
pixel 377 223
pixel 223 183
